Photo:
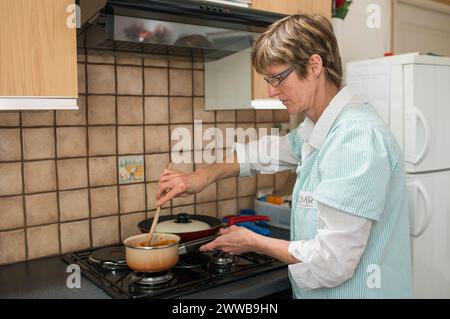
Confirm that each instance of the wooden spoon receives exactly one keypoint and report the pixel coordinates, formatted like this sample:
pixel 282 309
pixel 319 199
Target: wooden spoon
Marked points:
pixel 155 220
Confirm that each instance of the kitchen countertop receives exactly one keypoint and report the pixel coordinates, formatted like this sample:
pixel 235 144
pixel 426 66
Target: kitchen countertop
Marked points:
pixel 46 278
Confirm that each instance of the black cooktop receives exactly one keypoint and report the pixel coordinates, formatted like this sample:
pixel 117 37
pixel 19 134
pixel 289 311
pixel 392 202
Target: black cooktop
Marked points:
pixel 106 267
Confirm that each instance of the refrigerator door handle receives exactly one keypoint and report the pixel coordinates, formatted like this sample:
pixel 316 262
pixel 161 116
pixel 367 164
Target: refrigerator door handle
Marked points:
pixel 419 222
pixel 411 155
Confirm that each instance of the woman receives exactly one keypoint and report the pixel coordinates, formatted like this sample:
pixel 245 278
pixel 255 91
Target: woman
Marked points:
pixel 349 218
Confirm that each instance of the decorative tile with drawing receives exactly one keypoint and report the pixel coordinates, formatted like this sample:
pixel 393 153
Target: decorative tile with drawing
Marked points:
pixel 131 169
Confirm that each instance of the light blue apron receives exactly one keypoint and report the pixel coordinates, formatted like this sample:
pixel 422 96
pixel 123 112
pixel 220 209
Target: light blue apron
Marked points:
pixel 359 170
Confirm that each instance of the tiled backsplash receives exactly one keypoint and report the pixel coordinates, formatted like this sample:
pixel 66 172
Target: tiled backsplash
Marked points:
pixel 59 184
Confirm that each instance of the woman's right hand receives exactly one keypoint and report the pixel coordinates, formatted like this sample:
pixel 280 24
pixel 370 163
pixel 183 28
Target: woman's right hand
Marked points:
pixel 177 184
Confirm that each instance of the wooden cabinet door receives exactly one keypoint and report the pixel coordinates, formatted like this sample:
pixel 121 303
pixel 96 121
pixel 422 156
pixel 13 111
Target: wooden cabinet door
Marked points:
pixel 260 90
pixel 38 56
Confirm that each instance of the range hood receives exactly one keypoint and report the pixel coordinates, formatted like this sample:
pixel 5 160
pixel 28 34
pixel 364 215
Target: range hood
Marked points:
pixel 202 30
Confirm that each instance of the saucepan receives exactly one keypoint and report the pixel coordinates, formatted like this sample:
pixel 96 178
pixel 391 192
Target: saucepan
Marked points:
pixel 162 254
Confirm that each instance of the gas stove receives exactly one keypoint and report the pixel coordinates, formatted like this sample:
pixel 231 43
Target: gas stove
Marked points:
pixel 106 267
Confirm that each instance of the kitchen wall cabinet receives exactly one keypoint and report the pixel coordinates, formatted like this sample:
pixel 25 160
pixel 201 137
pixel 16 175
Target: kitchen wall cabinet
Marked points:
pixel 231 82
pixel 38 55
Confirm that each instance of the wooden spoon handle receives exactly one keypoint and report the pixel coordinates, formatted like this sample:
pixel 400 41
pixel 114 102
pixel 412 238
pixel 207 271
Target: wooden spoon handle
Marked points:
pixel 152 229
pixel 155 218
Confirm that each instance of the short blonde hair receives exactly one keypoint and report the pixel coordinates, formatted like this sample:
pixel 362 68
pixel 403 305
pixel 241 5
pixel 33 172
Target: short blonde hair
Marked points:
pixel 293 39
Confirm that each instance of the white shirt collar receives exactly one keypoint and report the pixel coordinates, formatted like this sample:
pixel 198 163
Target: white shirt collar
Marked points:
pixel 315 134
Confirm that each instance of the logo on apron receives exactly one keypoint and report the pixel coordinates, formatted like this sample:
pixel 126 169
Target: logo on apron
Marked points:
pixel 306 200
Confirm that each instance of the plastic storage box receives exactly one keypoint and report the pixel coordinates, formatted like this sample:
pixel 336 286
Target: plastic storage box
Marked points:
pixel 280 216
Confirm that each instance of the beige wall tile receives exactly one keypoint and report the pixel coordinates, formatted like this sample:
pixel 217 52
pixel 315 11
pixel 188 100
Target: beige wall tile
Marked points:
pixel 81 70
pixel 180 201
pixel 246 116
pixel 264 116
pixel 129 224
pixel 156 61
pixel 184 63
pixel 40 176
pixel 180 110
pixel 41 209
pixel 100 57
pixel 74 204
pixel 11 212
pixel 156 139
pixel 247 186
pixel 204 136
pixel 151 196
pixel 208 194
pixel 128 60
pixel 207 156
pixel 156 110
pixel 228 134
pixel 265 180
pixel 81 57
pixel 129 80
pixel 101 109
pixel 183 134
pixel 38 118
pixel 13 246
pixel 246 203
pixel 226 116
pixel 184 167
pixel 42 241
pixel 180 82
pixel 73 117
pixel 38 143
pixel 130 110
pixel 104 201
pixel 164 212
pixel 281 179
pixel 264 129
pixel 208 209
pixel 105 231
pixel 246 133
pixel 102 140
pixel 156 81
pixel 9 118
pixel 184 209
pixel 72 173
pixel 102 171
pixel 75 236
pixel 71 141
pixel 281 116
pixel 199 85
pixel 101 79
pixel 155 165
pixel 200 113
pixel 227 188
pixel 10 144
pixel 227 207
pixel 132 198
pixel 131 140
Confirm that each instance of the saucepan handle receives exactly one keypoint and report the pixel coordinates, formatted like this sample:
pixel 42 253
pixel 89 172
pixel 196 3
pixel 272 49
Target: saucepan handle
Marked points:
pixel 193 245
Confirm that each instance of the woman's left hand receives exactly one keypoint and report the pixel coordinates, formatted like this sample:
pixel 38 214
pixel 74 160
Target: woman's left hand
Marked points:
pixel 233 240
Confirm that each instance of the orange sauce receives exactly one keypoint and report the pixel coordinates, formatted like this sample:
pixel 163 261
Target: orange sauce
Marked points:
pixel 159 243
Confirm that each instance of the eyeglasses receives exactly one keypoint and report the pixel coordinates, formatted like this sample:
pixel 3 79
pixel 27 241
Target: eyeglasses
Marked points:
pixel 276 79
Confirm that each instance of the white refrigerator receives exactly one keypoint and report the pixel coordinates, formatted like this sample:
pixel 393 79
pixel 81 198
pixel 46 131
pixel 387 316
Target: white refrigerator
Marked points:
pixel 412 94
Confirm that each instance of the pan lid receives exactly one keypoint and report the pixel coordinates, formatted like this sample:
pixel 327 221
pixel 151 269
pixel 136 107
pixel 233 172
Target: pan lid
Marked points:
pixel 182 224
pixel 184 220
